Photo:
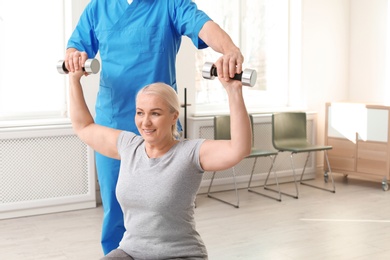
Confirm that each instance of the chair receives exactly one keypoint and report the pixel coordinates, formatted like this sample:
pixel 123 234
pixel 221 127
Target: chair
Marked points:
pixel 222 132
pixel 289 135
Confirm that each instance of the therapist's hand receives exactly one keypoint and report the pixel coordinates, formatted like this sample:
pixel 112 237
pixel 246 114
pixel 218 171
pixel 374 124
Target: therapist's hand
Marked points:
pixel 230 63
pixel 75 60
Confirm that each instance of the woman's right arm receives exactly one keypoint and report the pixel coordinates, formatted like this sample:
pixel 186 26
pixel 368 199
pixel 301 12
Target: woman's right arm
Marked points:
pixel 101 139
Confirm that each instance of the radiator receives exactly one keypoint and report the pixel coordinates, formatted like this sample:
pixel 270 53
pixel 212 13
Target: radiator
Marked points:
pixel 44 170
pixel 202 127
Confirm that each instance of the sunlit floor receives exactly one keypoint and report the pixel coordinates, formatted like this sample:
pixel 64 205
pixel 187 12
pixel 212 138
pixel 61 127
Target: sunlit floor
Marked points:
pixel 353 223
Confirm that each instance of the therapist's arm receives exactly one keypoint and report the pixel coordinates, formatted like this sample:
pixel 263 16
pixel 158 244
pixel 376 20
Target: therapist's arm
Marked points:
pixel 215 37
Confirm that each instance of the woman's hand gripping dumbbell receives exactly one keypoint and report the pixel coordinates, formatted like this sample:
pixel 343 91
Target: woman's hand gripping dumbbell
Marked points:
pixel 91 66
pixel 248 77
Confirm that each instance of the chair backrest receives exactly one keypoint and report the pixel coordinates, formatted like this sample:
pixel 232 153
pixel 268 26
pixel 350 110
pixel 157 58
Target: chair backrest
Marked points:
pixel 222 127
pixel 288 128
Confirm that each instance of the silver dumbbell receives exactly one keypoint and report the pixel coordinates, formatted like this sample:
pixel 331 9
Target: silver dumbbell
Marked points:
pixel 248 77
pixel 91 66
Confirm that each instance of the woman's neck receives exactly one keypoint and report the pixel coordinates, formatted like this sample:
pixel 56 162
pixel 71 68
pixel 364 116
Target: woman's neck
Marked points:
pixel 156 151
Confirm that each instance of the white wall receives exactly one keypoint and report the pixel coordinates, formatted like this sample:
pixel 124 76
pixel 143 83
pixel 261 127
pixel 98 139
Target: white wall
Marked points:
pixel 185 75
pixel 325 54
pixel 344 53
pixel 368 51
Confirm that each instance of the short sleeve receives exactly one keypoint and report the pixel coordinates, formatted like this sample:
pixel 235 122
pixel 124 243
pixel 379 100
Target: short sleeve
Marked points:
pixel 198 144
pixel 83 37
pixel 190 151
pixel 189 20
pixel 125 139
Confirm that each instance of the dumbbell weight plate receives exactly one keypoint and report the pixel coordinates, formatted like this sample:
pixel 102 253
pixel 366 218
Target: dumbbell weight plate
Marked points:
pixel 61 67
pixel 207 70
pixel 92 66
pixel 249 77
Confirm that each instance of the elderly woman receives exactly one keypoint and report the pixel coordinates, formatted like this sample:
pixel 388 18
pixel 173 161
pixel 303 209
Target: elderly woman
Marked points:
pixel 159 174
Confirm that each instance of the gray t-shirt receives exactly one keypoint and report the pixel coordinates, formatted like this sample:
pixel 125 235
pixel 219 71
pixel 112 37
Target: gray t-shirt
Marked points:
pixel 157 197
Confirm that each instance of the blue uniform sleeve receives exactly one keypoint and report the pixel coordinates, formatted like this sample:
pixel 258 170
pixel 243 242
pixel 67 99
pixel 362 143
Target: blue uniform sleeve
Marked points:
pixel 83 37
pixel 189 20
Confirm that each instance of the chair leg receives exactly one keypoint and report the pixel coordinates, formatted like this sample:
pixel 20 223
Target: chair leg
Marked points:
pixel 295 182
pixel 330 174
pixel 250 178
pixel 221 200
pixel 266 180
pixel 295 179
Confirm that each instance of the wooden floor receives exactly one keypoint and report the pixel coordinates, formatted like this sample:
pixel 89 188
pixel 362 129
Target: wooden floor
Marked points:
pixel 353 223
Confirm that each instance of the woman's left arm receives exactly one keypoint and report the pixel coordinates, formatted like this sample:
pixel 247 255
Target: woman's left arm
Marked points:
pixel 216 155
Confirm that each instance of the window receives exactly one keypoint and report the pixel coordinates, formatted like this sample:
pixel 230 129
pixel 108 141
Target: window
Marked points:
pixel 261 29
pixel 32 40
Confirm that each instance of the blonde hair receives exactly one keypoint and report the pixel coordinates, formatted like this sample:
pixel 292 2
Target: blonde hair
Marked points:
pixel 169 95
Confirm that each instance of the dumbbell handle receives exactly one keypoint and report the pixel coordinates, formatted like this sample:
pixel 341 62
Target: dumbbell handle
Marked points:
pixel 91 66
pixel 248 77
pixel 214 73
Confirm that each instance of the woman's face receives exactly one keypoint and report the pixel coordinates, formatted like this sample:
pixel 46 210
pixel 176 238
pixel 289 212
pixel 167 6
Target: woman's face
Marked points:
pixel 153 119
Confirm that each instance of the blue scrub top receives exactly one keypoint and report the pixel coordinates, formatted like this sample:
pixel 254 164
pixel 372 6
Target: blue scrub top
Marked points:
pixel 137 44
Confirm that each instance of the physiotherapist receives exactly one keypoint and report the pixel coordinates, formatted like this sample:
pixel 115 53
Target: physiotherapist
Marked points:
pixel 138 42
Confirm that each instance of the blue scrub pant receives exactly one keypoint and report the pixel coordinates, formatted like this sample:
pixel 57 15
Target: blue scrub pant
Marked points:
pixel 113 227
